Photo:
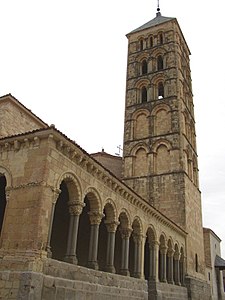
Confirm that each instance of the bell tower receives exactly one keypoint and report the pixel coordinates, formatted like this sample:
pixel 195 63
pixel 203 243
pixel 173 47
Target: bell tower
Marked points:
pixel 159 150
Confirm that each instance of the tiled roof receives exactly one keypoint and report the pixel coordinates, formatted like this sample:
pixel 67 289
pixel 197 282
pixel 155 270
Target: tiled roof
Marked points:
pixel 220 263
pixel 159 19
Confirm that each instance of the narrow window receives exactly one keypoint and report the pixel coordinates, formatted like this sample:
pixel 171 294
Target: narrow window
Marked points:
pixel 160 90
pixel 196 263
pixel 141 45
pixel 143 95
pixel 159 63
pixel 144 67
pixel 161 38
pixel 151 41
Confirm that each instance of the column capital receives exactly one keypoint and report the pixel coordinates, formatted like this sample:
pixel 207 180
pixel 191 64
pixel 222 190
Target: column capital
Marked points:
pixel 163 249
pixel 111 225
pixel 125 232
pixel 176 255
pixel 75 207
pixel 95 217
pixel 56 193
pixel 171 252
pixel 137 237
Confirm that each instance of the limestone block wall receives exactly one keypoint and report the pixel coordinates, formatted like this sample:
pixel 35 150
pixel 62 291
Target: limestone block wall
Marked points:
pixel 60 280
pixel 193 225
pixel 16 119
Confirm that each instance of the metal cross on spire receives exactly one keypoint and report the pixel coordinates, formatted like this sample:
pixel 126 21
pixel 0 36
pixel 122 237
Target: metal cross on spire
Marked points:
pixel 158 9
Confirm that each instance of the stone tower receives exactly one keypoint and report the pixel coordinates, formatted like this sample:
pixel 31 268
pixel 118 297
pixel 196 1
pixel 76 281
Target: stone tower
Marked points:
pixel 160 156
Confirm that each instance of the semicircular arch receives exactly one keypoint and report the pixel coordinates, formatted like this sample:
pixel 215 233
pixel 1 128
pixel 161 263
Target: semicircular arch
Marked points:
pixel 73 185
pixel 161 106
pixel 124 218
pixel 137 225
pixel 94 199
pixel 5 172
pixel 161 142
pixel 110 210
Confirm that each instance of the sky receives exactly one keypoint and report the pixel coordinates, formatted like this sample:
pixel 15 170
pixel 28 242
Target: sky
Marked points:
pixel 66 61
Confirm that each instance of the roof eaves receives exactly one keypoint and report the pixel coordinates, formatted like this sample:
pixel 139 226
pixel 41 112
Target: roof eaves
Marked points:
pixel 154 22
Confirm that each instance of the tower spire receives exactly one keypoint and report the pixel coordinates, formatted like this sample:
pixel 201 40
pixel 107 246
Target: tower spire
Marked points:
pixel 158 9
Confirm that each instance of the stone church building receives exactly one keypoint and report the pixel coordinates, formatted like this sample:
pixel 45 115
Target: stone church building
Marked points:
pixel 83 226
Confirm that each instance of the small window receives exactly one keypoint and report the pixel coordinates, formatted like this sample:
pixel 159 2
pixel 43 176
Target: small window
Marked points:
pixel 143 95
pixel 161 38
pixel 196 262
pixel 141 45
pixel 160 90
pixel 209 276
pixel 159 63
pixel 151 41
pixel 144 67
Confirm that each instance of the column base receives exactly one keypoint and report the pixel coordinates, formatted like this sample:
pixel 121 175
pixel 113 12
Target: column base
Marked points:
pixel 72 259
pixel 110 269
pixel 49 252
pixel 92 265
pixel 125 272
pixel 137 275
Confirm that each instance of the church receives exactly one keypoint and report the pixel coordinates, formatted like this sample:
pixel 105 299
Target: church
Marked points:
pixel 75 225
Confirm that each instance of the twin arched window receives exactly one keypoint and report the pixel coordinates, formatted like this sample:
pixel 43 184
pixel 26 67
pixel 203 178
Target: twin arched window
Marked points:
pixel 160 90
pixel 144 92
pixel 159 63
pixel 144 67
pixel 151 41
pixel 141 44
pixel 144 95
pixel 160 38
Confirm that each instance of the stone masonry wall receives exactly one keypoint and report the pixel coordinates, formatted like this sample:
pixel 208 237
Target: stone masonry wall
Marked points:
pixel 15 120
pixel 60 280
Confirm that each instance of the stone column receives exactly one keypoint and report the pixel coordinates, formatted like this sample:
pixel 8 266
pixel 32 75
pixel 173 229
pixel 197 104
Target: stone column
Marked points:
pixel 170 266
pixel 176 269
pixel 75 209
pixel 95 219
pixel 125 235
pixel 55 196
pixel 111 229
pixel 137 255
pixel 163 252
pixel 154 261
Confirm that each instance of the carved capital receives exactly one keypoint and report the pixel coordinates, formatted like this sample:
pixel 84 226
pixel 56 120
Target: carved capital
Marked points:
pixel 111 226
pixel 55 196
pixel 95 217
pixel 75 207
pixel 137 238
pixel 125 233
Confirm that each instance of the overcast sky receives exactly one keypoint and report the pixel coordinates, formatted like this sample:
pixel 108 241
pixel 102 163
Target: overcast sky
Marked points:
pixel 66 61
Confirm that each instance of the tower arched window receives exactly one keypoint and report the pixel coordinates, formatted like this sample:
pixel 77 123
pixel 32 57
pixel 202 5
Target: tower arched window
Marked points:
pixel 151 41
pixel 159 63
pixel 144 67
pixel 143 94
pixel 160 90
pixel 160 38
pixel 141 44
